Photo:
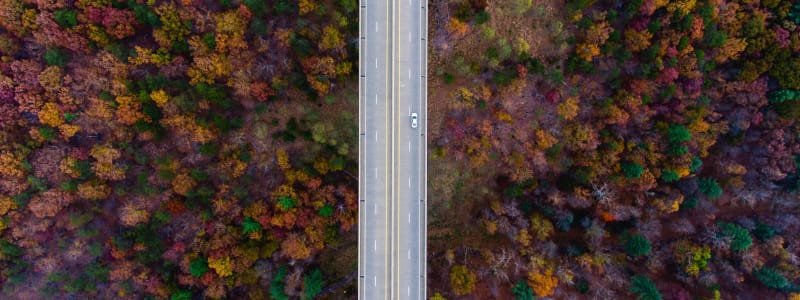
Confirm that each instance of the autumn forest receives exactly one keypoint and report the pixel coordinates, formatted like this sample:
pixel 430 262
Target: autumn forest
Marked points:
pixel 579 149
pixel 589 149
pixel 177 149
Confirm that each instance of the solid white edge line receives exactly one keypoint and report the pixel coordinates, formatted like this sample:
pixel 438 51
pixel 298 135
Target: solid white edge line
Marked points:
pixel 390 136
pixel 361 51
pixel 421 226
pixel 423 251
pixel 376 172
pixel 376 245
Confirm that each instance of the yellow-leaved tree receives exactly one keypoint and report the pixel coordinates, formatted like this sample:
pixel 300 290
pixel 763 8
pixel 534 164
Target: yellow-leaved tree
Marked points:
pixel 681 7
pixel 637 40
pixel 306 6
pixel 93 191
pixel 129 110
pixel 462 280
pixel 206 69
pixel 331 38
pixel 542 281
pixel 587 51
pixel 160 97
pixel 295 247
pixel 568 109
pixel 131 215
pixel 437 296
pixel 223 266
pixel 6 204
pixel 104 167
pixel 10 165
pixel 183 184
pixel 283 160
pixel 50 115
pixel 541 227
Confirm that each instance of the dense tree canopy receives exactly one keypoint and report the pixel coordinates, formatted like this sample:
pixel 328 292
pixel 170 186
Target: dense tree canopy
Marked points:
pixel 164 149
pixel 591 140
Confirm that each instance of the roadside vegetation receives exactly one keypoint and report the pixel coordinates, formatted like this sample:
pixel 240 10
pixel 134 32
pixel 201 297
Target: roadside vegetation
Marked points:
pixel 640 149
pixel 184 149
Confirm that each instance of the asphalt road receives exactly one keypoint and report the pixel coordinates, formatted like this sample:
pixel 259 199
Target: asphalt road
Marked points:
pixel 410 152
pixel 392 155
pixel 374 174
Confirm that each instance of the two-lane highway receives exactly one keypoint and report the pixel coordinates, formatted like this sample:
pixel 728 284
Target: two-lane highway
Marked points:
pixel 392 153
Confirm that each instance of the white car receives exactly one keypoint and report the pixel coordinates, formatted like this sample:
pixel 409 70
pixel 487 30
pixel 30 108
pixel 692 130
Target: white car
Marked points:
pixel 414 120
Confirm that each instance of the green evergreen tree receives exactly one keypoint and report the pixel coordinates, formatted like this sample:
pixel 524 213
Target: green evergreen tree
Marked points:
pixel 645 288
pixel 678 134
pixel 326 210
pixel 696 164
pixel 669 175
pixel 285 203
pixel 66 18
pixel 312 284
pixel 740 237
pixel 771 278
pixel 249 226
pixel 636 244
pixel 763 231
pixel 632 170
pixel 54 57
pixel 198 267
pixel 276 288
pixel 522 291
pixel 181 295
pixel 780 96
pixel 709 187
